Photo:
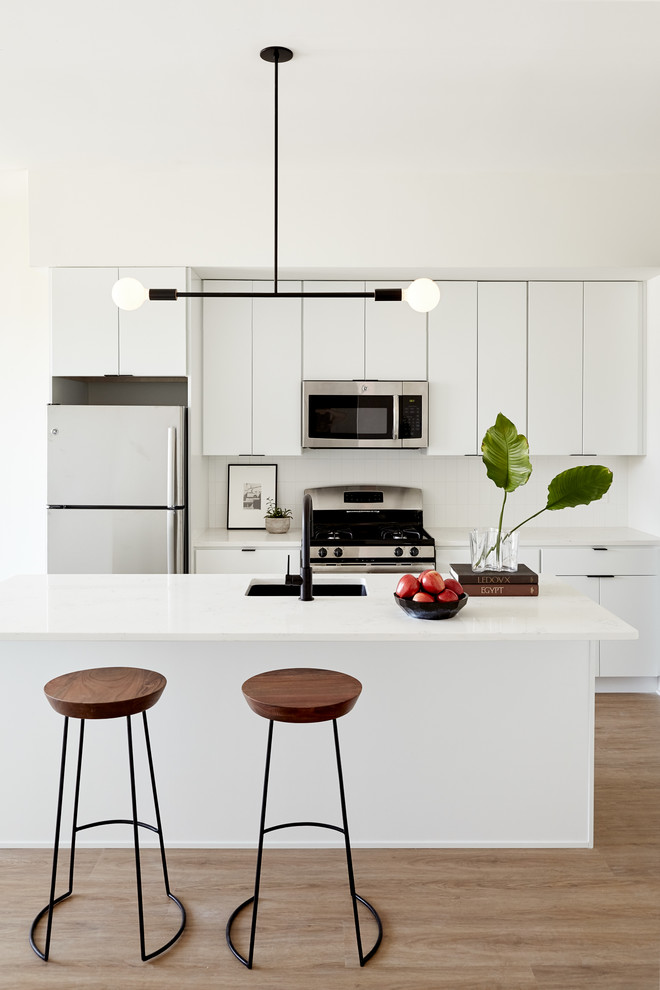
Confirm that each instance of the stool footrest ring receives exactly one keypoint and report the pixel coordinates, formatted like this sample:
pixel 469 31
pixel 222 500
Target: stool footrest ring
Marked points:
pixel 150 955
pixel 250 900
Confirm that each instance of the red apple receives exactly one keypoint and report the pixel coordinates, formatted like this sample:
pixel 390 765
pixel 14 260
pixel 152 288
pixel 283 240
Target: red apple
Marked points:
pixel 421 596
pixel 407 587
pixel 432 582
pixel 447 596
pixel 454 586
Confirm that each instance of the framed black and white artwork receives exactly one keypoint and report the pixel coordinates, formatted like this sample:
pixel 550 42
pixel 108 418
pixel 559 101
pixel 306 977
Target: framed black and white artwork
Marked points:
pixel 249 486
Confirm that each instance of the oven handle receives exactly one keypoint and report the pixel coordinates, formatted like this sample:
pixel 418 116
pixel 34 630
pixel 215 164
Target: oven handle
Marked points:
pixel 395 417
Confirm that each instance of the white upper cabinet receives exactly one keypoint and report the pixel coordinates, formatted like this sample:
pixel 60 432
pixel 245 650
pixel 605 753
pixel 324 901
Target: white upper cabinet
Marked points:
pixel 395 339
pixel 90 337
pixel 84 322
pixel 276 373
pixel 227 371
pixel 555 367
pixel 613 368
pixel 333 333
pixel 502 354
pixel 152 339
pixel 452 355
pixel 251 371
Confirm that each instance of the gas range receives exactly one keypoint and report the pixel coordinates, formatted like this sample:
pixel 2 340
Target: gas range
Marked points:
pixel 369 528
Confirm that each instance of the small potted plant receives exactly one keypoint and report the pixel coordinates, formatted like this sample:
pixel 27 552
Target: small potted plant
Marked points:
pixel 277 519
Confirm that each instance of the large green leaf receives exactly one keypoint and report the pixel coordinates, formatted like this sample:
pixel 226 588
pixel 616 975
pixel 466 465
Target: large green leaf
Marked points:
pixel 506 455
pixel 578 486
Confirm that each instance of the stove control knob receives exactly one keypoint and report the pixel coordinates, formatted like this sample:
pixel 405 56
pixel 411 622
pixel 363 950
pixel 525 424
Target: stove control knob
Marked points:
pixel 414 551
pixel 338 552
pixel 398 552
pixel 323 552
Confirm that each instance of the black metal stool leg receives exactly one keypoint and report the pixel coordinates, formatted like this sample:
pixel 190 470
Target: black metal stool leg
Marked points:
pixel 349 863
pixel 254 900
pixel 52 901
pixel 136 840
pixel 159 829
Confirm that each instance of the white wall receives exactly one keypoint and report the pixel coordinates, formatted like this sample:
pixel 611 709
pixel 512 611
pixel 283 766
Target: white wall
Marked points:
pixel 456 491
pixel 644 474
pixel 24 387
pixel 361 219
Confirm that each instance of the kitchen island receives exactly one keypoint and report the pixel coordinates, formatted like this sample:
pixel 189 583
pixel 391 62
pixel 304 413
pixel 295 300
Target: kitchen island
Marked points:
pixel 475 731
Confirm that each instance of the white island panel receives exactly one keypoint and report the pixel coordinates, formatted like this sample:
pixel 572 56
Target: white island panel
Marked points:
pixel 477 731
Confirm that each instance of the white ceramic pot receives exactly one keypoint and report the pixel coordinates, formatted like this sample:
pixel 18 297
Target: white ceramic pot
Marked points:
pixel 278 524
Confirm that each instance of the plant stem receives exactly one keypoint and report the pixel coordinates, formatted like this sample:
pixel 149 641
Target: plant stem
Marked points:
pixel 499 528
pixel 525 521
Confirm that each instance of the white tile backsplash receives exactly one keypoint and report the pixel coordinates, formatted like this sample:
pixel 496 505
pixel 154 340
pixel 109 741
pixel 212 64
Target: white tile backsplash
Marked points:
pixel 456 491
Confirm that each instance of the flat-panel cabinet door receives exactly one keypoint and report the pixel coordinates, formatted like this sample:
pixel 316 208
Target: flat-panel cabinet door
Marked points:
pixel 612 368
pixel 152 339
pixel 634 599
pixel 452 352
pixel 276 373
pixel 227 371
pixel 333 333
pixel 502 354
pixel 554 367
pixel 246 560
pixel 395 338
pixel 84 322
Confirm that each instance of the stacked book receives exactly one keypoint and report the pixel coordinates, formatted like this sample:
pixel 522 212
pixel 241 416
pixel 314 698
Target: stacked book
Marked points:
pixel 497 584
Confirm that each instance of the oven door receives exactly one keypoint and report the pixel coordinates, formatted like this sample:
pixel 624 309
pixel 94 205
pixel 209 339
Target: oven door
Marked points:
pixel 351 414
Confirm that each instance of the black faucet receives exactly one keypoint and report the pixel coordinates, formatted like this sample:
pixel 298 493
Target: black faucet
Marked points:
pixel 305 566
pixel 304 579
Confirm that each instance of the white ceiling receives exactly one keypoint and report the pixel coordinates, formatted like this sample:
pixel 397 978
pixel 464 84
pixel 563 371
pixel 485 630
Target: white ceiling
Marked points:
pixel 422 84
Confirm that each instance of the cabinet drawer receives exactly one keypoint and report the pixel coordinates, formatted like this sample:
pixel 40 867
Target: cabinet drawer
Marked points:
pixel 245 560
pixel 609 560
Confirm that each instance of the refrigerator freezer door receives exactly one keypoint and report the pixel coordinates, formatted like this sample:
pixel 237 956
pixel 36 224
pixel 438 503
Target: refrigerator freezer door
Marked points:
pixel 116 455
pixel 116 541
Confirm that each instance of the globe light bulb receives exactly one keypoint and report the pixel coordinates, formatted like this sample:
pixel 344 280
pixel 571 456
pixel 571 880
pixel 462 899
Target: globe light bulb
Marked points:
pixel 422 295
pixel 128 293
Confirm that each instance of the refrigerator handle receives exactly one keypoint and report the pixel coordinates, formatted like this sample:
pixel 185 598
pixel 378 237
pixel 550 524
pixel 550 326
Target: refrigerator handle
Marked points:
pixel 171 541
pixel 171 466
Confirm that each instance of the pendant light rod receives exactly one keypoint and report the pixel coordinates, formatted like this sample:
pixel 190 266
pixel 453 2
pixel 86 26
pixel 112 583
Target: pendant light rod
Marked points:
pixel 276 54
pixel 421 295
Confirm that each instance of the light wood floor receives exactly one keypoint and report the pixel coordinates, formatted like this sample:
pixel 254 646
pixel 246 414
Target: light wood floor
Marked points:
pixel 454 919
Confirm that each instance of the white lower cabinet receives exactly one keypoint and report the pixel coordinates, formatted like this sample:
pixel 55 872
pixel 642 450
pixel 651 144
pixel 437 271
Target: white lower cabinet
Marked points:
pixel 623 580
pixel 246 560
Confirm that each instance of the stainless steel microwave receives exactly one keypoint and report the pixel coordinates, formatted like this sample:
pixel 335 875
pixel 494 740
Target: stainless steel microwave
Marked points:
pixel 365 414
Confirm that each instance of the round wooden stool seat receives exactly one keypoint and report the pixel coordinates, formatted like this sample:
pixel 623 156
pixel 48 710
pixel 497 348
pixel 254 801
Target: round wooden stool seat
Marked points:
pixel 105 692
pixel 301 694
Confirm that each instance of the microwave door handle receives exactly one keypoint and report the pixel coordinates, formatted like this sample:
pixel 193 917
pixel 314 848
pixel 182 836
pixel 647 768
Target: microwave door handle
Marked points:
pixel 395 417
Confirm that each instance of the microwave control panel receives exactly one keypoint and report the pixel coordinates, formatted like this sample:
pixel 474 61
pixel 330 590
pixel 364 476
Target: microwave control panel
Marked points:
pixel 410 417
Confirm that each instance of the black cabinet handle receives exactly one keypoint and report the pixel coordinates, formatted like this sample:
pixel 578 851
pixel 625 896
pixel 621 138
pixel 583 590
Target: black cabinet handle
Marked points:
pixel 248 549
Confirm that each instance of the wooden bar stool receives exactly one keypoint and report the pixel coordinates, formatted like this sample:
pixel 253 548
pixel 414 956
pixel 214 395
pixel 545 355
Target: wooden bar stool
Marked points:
pixel 302 695
pixel 105 692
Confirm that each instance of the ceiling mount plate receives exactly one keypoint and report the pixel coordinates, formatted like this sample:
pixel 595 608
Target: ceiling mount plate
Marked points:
pixel 276 53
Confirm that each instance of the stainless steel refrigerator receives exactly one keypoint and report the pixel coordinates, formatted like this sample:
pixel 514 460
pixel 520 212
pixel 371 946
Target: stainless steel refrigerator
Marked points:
pixel 117 489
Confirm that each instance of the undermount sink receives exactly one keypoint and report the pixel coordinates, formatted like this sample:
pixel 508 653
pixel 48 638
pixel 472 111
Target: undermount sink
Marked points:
pixel 259 589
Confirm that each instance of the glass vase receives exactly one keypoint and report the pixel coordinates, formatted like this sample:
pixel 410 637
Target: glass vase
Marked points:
pixel 486 555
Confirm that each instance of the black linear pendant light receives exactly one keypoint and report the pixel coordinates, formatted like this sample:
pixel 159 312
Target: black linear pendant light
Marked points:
pixel 422 295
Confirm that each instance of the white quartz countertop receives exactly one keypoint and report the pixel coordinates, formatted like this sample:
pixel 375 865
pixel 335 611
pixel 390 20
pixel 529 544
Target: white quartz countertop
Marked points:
pixel 198 607
pixel 577 536
pixel 530 536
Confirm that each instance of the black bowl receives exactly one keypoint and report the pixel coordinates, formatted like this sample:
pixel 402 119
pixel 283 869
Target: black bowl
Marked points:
pixel 431 610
